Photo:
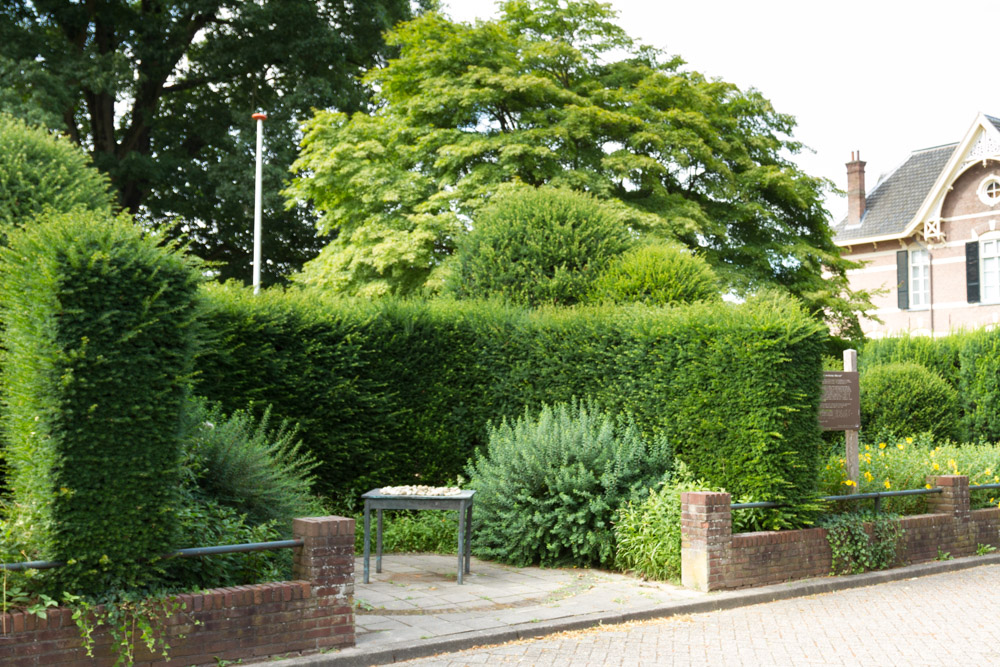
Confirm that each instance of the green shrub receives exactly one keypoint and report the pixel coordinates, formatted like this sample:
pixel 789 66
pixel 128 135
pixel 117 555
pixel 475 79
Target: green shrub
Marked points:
pixel 906 397
pixel 648 533
pixel 242 482
pixel 854 550
pixel 658 275
pixel 41 172
pixel 412 532
pixel 243 464
pixel 98 337
pixel 549 486
pixel 537 246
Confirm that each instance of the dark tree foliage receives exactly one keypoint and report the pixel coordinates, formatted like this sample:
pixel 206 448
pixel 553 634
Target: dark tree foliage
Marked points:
pixel 161 93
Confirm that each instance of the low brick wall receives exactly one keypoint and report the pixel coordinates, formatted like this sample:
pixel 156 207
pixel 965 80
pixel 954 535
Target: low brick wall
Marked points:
pixel 712 558
pixel 311 613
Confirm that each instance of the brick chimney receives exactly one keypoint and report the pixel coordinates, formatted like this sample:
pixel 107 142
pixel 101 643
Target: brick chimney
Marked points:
pixel 855 189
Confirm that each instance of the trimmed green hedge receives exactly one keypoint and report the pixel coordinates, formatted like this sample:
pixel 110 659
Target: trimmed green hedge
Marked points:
pixel 98 344
pixel 401 392
pixel 969 361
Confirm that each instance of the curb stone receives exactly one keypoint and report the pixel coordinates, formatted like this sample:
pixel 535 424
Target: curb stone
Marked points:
pixel 402 651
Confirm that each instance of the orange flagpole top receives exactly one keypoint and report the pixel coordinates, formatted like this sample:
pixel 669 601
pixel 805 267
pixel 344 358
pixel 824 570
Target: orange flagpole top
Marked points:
pixel 259 116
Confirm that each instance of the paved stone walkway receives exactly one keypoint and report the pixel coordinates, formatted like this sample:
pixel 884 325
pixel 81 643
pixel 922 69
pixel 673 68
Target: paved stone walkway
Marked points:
pixel 416 597
pixel 932 620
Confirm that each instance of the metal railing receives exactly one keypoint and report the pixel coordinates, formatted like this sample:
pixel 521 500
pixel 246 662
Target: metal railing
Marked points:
pixel 877 495
pixel 193 552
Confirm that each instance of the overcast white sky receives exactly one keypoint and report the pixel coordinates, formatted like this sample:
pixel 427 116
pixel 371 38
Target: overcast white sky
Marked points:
pixel 884 76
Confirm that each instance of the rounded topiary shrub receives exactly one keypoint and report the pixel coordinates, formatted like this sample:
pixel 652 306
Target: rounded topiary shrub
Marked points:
pixel 537 246
pixel 661 274
pixel 40 171
pixel 905 398
pixel 549 485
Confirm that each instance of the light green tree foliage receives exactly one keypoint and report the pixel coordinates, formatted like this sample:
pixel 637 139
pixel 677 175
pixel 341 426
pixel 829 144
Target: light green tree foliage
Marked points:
pixel 537 246
pixel 659 274
pixel 536 96
pixel 39 171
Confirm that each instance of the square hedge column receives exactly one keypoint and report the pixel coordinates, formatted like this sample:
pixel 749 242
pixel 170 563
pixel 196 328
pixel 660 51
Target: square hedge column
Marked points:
pixel 706 538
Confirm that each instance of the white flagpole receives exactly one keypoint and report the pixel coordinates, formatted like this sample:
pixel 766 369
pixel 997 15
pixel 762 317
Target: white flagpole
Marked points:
pixel 260 118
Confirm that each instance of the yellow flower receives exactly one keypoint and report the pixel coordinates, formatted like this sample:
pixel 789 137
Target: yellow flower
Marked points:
pixel 867 447
pixel 887 484
pixel 989 472
pixel 850 482
pixel 868 476
pixel 928 486
pixel 881 445
pixel 909 441
pixel 936 466
pixel 899 446
pixel 951 462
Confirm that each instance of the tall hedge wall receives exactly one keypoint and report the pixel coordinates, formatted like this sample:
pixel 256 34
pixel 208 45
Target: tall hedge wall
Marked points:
pixel 98 345
pixel 968 360
pixel 401 392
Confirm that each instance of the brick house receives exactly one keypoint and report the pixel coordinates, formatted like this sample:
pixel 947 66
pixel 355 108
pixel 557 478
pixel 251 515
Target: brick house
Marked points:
pixel 929 235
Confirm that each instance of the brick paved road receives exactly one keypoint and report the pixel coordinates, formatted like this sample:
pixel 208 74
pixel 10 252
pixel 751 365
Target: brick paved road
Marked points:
pixel 939 619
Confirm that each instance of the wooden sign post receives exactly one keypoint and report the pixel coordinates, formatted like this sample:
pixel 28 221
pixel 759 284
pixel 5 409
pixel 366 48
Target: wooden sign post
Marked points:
pixel 840 410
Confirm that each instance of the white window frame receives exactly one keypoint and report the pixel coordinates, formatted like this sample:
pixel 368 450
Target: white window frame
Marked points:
pixel 989 190
pixel 919 283
pixel 989 268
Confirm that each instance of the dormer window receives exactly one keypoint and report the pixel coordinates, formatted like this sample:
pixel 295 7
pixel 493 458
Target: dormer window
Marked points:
pixel 989 190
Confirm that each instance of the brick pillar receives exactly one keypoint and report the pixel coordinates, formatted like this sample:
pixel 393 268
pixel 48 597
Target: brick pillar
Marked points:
pixel 954 501
pixel 706 538
pixel 326 561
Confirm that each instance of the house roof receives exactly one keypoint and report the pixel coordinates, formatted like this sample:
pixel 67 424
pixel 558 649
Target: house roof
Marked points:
pixel 891 205
pixel 913 192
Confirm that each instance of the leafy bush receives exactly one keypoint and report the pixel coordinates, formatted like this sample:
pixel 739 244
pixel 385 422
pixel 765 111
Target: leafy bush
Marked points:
pixel 657 275
pixel 549 486
pixel 905 397
pixel 243 464
pixel 413 532
pixel 648 533
pixel 538 246
pixel 98 338
pixel 40 172
pixel 854 550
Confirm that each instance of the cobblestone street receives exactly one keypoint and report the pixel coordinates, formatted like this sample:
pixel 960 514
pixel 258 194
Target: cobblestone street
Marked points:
pixel 932 620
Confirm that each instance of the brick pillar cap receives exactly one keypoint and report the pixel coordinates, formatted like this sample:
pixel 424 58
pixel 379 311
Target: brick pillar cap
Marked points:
pixel 704 498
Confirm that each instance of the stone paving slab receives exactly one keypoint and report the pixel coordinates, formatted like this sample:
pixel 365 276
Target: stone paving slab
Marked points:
pixel 415 607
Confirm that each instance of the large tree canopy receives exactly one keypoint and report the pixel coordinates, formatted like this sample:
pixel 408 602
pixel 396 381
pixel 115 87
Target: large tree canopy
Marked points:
pixel 161 92
pixel 554 92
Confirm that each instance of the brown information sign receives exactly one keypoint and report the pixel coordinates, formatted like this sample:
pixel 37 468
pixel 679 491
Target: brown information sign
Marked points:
pixel 840 405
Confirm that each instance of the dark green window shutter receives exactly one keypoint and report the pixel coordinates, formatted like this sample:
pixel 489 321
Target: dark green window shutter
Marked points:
pixel 972 271
pixel 903 279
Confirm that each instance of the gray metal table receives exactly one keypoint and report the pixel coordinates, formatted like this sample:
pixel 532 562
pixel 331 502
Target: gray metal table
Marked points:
pixel 462 502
